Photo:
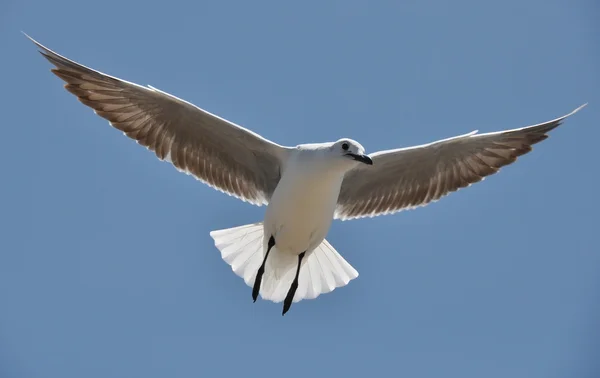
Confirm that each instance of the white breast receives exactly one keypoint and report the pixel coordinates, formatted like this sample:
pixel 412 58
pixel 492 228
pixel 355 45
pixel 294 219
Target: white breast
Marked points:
pixel 301 209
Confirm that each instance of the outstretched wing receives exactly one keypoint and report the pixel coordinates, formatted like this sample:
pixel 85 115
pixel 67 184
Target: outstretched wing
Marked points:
pixel 221 154
pixel 415 176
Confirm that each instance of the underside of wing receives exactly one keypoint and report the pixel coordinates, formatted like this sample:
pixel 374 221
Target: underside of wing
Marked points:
pixel 221 154
pixel 410 177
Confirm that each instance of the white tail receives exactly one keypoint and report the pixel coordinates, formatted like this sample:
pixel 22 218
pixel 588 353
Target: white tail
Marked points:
pixel 322 271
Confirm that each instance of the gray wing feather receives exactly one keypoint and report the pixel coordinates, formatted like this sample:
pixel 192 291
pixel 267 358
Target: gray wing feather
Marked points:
pixel 221 154
pixel 415 176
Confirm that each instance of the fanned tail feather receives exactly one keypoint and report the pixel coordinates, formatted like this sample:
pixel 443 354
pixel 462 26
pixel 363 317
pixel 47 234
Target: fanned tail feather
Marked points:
pixel 322 271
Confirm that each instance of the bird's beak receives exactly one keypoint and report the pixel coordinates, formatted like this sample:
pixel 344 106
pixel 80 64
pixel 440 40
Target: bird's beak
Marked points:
pixel 362 158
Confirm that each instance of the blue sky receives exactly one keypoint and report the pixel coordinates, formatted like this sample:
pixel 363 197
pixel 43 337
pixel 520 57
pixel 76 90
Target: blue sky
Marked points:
pixel 107 268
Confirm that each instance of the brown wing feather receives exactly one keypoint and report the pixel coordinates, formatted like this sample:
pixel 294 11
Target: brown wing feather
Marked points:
pixel 221 154
pixel 406 178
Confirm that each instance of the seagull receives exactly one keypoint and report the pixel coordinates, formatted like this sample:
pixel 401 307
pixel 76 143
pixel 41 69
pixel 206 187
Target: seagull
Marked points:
pixel 286 257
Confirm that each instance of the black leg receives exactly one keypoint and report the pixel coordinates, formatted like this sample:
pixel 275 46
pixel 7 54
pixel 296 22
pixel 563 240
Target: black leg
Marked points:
pixel 287 303
pixel 261 270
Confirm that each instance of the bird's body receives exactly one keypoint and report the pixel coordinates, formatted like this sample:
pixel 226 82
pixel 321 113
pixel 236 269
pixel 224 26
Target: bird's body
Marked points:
pixel 302 207
pixel 286 257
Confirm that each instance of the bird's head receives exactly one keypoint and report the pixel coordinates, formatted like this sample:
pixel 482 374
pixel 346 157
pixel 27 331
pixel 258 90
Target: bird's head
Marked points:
pixel 350 151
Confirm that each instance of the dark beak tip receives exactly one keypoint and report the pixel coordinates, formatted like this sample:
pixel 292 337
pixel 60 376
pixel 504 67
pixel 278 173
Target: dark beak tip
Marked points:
pixel 365 159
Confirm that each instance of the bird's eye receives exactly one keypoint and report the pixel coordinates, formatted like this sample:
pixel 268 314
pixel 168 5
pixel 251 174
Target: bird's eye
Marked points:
pixel 345 146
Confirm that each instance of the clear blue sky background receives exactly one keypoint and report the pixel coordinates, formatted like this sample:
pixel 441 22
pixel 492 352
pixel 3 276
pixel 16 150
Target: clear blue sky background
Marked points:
pixel 106 264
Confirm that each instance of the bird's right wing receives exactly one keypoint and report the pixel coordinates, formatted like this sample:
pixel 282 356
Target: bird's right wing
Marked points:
pixel 223 155
pixel 415 176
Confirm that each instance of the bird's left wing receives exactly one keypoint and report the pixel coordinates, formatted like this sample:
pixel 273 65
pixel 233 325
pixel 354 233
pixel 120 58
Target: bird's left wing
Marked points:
pixel 223 155
pixel 415 176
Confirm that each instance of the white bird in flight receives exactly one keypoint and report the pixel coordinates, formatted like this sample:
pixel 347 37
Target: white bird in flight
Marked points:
pixel 286 257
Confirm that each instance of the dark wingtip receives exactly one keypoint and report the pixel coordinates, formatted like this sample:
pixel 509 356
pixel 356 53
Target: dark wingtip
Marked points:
pixel 561 119
pixel 33 40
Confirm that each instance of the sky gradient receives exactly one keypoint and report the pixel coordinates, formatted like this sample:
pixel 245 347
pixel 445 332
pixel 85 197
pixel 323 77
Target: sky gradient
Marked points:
pixel 107 268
